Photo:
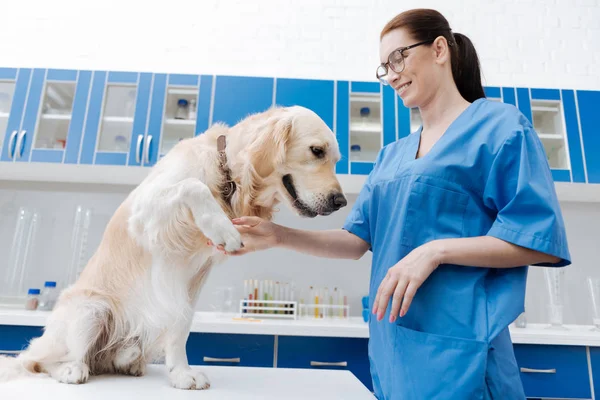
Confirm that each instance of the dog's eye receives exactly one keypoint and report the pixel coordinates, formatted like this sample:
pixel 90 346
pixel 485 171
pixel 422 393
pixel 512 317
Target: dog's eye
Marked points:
pixel 317 151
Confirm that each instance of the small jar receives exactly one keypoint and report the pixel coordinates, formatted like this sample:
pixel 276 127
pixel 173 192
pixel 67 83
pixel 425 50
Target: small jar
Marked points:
pixel 48 296
pixel 192 110
pixel 182 109
pixel 33 296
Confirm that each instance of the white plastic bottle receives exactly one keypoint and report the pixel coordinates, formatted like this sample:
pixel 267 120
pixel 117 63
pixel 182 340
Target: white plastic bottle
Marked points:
pixel 48 296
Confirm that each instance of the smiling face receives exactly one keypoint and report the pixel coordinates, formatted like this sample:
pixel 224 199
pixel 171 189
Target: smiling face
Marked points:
pixel 422 75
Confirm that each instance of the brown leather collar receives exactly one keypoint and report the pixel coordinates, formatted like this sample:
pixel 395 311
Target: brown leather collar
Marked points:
pixel 229 186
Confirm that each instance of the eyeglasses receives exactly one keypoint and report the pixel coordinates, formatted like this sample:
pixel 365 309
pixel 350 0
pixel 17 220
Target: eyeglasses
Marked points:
pixel 395 62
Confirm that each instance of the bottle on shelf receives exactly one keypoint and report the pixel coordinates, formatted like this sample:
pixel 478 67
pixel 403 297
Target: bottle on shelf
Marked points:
pixel 182 109
pixel 48 296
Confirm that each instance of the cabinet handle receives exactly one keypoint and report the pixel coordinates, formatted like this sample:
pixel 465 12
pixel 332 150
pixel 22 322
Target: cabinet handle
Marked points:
pixel 328 364
pixel 228 360
pixel 539 371
pixel 138 148
pixel 10 351
pixel 11 143
pixel 147 148
pixel 20 144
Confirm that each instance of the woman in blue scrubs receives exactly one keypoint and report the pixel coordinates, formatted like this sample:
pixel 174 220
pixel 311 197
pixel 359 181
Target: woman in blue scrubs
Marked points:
pixel 453 214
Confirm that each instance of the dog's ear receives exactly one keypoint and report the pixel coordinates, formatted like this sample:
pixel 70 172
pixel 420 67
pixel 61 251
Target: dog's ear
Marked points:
pixel 269 149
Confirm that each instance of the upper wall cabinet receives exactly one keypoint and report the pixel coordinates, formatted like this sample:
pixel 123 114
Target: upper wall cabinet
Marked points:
pixel 132 119
pixel 42 113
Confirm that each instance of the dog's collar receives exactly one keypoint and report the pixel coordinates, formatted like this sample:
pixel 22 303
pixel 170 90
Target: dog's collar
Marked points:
pixel 229 185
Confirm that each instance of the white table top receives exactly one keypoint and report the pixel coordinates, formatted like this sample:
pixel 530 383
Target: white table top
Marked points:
pixel 239 383
pixel 211 322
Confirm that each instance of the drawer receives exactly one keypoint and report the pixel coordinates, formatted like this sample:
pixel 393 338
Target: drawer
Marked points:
pixel 15 338
pixel 231 349
pixel 554 371
pixel 326 352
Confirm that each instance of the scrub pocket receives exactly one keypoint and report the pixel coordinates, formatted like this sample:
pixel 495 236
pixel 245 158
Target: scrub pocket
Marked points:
pixel 431 366
pixel 433 212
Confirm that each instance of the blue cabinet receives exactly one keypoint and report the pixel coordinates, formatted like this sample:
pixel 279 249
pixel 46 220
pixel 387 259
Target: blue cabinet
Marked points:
pixel 15 338
pixel 236 97
pixel 589 116
pixel 326 352
pixel 231 349
pixel 554 371
pixel 132 119
pixel 15 84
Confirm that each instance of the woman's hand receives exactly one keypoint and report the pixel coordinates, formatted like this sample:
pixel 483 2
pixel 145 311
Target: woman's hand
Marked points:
pixel 257 234
pixel 403 279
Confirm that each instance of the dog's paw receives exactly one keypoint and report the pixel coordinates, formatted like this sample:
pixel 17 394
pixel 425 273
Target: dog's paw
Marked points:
pixel 186 378
pixel 221 231
pixel 129 361
pixel 72 372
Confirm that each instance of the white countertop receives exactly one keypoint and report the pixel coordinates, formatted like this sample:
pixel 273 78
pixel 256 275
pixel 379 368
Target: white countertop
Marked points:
pixel 579 335
pixel 239 383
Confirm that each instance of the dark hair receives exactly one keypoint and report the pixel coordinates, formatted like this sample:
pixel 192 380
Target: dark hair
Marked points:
pixel 425 24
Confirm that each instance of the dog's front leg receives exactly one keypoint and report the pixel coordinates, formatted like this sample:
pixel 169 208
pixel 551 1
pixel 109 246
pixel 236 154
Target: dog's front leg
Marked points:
pixel 180 373
pixel 208 215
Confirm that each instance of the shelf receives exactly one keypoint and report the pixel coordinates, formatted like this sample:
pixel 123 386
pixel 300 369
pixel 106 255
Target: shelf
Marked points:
pixel 4 115
pixel 118 119
pixel 554 109
pixel 551 136
pixel 185 122
pixel 365 128
pixel 183 92
pixel 57 117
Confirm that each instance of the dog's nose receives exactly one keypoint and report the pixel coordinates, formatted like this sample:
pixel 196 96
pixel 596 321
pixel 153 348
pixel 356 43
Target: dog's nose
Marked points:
pixel 337 201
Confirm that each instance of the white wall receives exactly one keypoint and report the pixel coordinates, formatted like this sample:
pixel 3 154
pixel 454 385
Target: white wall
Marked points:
pixel 533 43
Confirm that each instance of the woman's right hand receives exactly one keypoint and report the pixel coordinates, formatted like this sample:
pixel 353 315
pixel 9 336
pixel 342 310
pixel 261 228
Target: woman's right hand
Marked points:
pixel 257 234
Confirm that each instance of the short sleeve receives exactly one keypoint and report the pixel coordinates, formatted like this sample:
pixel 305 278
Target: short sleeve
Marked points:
pixel 521 190
pixel 357 221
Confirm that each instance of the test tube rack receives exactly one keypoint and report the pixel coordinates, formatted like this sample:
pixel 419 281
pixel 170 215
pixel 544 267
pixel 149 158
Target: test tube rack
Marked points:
pixel 324 311
pixel 269 309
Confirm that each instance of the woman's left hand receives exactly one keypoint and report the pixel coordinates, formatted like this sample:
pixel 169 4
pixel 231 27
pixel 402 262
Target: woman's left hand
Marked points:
pixel 403 279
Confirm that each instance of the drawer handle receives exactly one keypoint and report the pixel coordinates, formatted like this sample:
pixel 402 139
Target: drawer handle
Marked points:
pixel 328 364
pixel 228 360
pixel 539 371
pixel 10 351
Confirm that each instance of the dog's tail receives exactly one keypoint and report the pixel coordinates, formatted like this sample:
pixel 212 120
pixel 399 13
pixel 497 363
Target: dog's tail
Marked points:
pixel 15 367
pixel 41 351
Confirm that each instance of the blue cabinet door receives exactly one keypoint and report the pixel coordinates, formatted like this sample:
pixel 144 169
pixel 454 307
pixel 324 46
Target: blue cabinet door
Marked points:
pixel 231 349
pixel 116 119
pixel 176 109
pixel 595 363
pixel 15 338
pixel 326 352
pixel 13 89
pixel 589 116
pixel 54 115
pixel 235 97
pixel 553 371
pixel 316 95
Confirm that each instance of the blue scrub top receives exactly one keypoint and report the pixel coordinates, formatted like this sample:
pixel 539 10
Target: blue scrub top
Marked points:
pixel 488 174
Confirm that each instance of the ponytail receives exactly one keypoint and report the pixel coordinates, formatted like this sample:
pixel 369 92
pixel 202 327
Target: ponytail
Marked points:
pixel 466 70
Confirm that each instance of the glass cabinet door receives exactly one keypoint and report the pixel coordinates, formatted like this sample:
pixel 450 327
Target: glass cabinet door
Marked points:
pixel 14 84
pixel 7 91
pixel 55 115
pixel 117 118
pixel 365 126
pixel 116 125
pixel 173 114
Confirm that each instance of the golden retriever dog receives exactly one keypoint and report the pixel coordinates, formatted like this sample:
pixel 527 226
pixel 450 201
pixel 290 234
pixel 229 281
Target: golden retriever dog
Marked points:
pixel 134 302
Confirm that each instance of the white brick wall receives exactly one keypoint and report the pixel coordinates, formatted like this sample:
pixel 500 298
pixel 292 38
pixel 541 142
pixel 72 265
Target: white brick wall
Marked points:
pixel 533 43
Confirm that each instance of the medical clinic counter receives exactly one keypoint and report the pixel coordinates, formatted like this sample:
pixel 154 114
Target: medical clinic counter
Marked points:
pixel 554 363
pixel 353 327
